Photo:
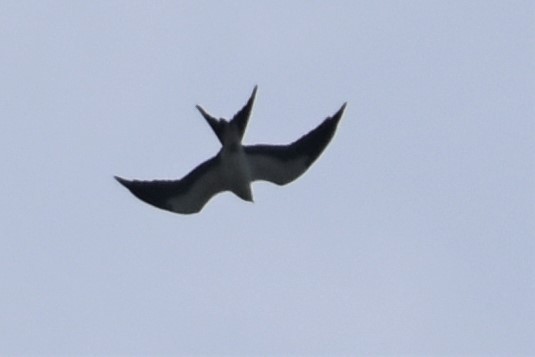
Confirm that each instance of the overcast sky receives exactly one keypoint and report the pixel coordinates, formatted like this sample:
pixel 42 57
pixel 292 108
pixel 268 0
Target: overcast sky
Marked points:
pixel 412 234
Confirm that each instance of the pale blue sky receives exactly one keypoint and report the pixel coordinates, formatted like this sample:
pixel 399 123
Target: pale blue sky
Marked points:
pixel 412 234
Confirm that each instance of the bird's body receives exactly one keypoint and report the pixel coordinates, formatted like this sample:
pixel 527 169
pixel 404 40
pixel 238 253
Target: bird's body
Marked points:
pixel 235 166
pixel 235 171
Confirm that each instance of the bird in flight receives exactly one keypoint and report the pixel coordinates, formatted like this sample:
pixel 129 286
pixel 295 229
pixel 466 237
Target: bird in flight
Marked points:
pixel 235 166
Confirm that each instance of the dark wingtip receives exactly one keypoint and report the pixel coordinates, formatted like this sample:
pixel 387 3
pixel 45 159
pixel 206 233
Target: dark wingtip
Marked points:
pixel 317 140
pixel 340 111
pixel 121 180
pixel 124 182
pixel 335 118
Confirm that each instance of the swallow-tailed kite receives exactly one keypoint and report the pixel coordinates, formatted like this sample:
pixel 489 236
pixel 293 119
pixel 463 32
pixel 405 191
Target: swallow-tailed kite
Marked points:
pixel 235 166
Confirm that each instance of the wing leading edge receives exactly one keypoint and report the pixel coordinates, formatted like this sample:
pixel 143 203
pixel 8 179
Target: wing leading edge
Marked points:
pixel 187 195
pixel 282 164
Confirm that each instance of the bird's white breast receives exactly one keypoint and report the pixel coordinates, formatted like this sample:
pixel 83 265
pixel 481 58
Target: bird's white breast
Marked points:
pixel 236 171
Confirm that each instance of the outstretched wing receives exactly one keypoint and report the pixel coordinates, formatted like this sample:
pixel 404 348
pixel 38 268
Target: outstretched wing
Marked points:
pixel 188 195
pixel 281 164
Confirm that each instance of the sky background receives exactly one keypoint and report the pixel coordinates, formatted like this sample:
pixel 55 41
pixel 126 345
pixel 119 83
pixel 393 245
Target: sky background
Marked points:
pixel 412 234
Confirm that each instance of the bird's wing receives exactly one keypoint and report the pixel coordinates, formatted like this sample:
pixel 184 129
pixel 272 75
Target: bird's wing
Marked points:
pixel 188 195
pixel 281 164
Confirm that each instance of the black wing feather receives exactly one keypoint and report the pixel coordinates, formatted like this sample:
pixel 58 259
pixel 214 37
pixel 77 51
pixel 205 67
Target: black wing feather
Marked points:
pixel 282 164
pixel 159 192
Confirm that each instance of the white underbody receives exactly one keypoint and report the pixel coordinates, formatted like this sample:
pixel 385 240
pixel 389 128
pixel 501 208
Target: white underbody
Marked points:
pixel 233 173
